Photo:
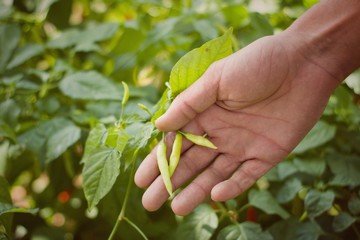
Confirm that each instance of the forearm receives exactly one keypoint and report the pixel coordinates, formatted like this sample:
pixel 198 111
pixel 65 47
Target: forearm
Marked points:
pixel 328 35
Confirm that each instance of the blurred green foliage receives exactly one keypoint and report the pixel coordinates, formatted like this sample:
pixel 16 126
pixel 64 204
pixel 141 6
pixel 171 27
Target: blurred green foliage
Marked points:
pixel 61 67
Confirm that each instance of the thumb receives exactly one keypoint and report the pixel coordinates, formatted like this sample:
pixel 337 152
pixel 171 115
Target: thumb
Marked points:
pixel 192 101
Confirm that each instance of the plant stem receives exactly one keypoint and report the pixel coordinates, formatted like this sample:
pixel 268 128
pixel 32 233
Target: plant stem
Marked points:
pixel 222 209
pixel 225 213
pixel 122 112
pixel 127 194
pixel 135 227
pixel 126 198
pixel 114 230
pixel 244 208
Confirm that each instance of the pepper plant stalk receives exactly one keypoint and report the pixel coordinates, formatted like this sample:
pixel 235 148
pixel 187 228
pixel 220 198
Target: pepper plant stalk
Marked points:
pixel 122 216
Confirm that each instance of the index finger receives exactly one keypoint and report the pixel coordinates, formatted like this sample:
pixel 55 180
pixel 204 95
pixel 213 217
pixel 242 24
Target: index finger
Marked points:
pixel 192 101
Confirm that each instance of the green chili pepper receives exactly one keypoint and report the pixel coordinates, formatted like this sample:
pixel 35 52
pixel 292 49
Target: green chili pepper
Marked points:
pixel 145 108
pixel 199 140
pixel 163 166
pixel 126 94
pixel 175 153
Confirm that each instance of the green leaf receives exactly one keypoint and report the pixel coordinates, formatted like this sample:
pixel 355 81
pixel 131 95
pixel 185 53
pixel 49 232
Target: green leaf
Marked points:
pixel 130 40
pixel 60 141
pixel 317 202
pixel 312 166
pixel 162 105
pixel 354 205
pixel 9 37
pixel 4 149
pixel 284 229
pixel 25 53
pixel 9 208
pixel 142 134
pixel 308 231
pixel 310 3
pixel 100 32
pixel 117 138
pixel 243 231
pixel 133 118
pixel 340 103
pixel 3 234
pixel 87 47
pixel 266 202
pixel 35 138
pixel 7 132
pixel 321 133
pixel 5 197
pixel 111 137
pixel 148 94
pixel 353 81
pixel 193 64
pixel 256 27
pixel 288 190
pixel 5 10
pixel 43 6
pixel 231 204
pixel 82 38
pixel 342 221
pixel 145 133
pixel 96 138
pixel 10 112
pixel 50 138
pixel 206 29
pixel 101 163
pixel 104 109
pixel 199 225
pixel 10 162
pixel 237 14
pixel 100 171
pixel 261 24
pixel 89 85
pixel 345 168
pixel 162 30
pixel 66 39
pixel 49 104
pixel 281 171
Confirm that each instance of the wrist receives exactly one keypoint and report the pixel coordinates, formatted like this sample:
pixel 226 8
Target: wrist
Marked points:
pixel 328 36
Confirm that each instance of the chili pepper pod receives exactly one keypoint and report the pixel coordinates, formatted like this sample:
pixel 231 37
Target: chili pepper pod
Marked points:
pixel 163 165
pixel 126 94
pixel 175 153
pixel 199 140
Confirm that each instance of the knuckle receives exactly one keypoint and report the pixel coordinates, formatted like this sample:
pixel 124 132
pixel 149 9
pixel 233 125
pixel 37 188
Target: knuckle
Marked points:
pixel 200 188
pixel 187 109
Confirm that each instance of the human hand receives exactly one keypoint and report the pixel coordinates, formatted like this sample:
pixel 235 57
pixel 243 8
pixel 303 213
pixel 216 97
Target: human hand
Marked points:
pixel 255 106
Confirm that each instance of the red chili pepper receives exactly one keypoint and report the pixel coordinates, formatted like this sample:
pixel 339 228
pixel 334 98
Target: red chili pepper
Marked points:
pixel 251 214
pixel 63 197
